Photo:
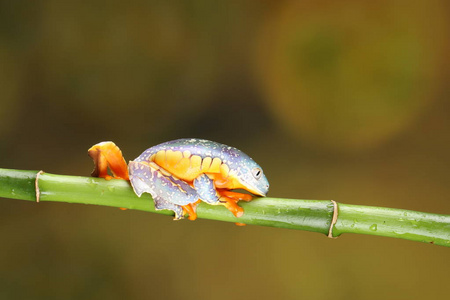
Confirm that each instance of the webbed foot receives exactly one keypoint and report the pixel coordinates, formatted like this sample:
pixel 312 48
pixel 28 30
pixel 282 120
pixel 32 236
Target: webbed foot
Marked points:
pixel 107 154
pixel 231 205
pixel 230 199
pixel 191 209
pixel 236 196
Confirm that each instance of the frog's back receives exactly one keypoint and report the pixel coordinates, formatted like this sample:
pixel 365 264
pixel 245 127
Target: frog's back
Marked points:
pixel 189 158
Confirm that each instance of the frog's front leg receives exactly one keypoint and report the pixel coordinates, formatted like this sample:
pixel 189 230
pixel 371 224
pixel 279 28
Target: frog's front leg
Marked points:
pixel 207 192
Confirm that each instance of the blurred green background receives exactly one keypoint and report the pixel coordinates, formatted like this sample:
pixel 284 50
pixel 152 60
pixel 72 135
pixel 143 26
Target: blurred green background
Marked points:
pixel 343 100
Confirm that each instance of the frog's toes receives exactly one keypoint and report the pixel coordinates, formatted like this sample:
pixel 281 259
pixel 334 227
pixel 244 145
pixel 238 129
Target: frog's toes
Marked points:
pixel 232 206
pixel 236 196
pixel 108 155
pixel 191 209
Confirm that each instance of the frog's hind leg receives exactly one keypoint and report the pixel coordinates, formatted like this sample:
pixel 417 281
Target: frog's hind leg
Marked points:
pixel 160 203
pixel 107 154
pixel 168 192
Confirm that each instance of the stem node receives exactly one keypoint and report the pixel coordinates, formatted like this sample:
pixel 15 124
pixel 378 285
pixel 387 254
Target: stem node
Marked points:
pixel 333 220
pixel 36 185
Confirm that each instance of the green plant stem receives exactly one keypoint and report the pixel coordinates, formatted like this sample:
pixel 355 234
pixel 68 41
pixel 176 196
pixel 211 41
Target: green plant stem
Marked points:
pixel 310 215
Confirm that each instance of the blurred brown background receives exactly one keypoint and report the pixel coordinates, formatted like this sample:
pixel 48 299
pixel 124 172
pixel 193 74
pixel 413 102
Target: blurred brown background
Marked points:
pixel 343 100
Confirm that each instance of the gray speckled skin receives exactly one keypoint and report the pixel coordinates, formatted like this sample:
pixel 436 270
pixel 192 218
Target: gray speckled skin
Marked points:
pixel 167 192
pixel 239 162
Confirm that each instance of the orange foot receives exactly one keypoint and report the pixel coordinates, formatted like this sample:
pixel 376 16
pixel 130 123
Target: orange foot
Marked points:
pixel 236 196
pixel 107 154
pixel 191 209
pixel 230 199
pixel 231 205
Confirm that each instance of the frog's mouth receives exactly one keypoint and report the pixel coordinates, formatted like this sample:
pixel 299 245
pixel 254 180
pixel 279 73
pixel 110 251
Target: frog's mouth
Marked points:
pixel 254 190
pixel 234 182
pixel 257 192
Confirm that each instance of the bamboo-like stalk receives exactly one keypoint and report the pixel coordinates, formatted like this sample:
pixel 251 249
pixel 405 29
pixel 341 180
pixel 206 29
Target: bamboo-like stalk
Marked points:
pixel 310 215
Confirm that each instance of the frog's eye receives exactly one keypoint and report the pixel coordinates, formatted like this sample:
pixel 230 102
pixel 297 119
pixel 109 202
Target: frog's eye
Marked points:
pixel 257 173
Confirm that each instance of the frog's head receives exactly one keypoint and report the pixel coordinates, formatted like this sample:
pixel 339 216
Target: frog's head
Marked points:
pixel 251 177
